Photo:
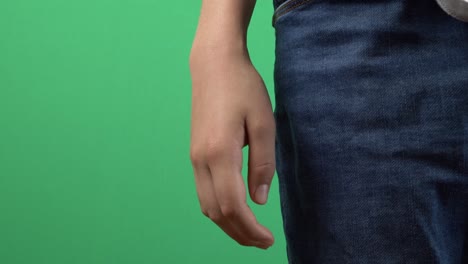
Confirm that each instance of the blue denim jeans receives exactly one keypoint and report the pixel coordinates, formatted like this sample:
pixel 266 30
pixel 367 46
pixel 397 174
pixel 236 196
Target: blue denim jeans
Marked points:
pixel 372 131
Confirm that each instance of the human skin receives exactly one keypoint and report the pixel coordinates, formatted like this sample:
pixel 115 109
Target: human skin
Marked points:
pixel 231 108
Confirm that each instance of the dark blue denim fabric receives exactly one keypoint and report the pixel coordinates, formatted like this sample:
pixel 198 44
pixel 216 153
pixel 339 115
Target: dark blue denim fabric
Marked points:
pixel 372 131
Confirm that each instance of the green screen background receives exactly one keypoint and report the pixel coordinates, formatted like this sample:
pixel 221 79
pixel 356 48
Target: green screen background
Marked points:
pixel 94 135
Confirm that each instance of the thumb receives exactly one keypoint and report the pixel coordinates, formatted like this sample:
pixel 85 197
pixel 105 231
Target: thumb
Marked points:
pixel 261 162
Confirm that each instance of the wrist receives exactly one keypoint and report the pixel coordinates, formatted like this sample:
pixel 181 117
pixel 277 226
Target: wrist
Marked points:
pixel 218 52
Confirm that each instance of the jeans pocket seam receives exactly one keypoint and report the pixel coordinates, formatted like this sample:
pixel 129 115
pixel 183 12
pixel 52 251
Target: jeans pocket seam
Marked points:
pixel 287 7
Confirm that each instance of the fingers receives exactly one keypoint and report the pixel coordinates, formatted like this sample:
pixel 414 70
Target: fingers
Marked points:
pixel 261 165
pixel 225 163
pixel 221 193
pixel 208 203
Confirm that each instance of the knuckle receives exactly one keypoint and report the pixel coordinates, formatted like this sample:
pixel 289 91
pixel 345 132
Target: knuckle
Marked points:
pixel 215 217
pixel 229 210
pixel 216 150
pixel 263 128
pixel 196 156
pixel 266 168
pixel 211 214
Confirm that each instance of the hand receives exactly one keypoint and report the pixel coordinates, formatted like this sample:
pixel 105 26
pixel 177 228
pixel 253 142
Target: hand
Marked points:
pixel 231 109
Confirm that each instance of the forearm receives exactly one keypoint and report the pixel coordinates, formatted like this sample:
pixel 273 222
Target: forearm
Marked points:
pixel 222 27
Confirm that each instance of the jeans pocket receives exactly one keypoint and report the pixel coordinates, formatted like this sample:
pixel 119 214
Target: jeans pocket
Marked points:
pixel 286 7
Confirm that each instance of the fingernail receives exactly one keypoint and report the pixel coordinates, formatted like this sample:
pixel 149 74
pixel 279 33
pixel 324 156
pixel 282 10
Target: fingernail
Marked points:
pixel 261 194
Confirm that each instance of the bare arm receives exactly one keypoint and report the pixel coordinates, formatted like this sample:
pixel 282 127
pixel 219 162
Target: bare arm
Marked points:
pixel 222 25
pixel 230 109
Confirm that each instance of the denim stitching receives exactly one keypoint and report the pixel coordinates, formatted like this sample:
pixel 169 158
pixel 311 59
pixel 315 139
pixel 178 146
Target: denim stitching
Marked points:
pixel 286 8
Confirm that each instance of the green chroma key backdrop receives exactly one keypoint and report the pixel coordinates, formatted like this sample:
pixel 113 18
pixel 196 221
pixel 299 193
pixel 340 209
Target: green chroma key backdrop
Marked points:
pixel 94 135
